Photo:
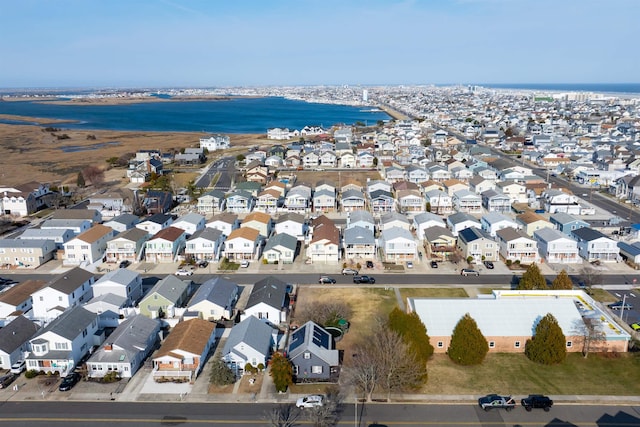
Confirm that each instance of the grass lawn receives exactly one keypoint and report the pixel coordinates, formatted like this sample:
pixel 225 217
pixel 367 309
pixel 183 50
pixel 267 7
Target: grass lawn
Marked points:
pixel 432 293
pixel 615 374
pixel 602 295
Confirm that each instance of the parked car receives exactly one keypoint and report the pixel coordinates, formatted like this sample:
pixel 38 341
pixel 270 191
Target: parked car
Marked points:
pixel 6 380
pixel 69 381
pixel 369 264
pixel 409 264
pixel 469 272
pixel 492 401
pixel 363 279
pixel 327 279
pixel 537 401
pixel 124 264
pixel 635 326
pixel 351 271
pixel 202 263
pixel 184 272
pixel 19 367
pixel 434 264
pixel 618 306
pixel 489 265
pixel 310 401
pixel 244 263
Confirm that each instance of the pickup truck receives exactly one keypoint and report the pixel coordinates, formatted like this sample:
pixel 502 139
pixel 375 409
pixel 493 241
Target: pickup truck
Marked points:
pixel 491 401
pixel 363 279
pixel 537 401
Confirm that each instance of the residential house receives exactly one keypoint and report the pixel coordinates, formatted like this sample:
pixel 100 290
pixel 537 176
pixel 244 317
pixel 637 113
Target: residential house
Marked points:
pixel 494 221
pixel 352 200
pixel 410 201
pixel 347 160
pixel 243 243
pixel 495 201
pixel 59 346
pixel 183 353
pixel 155 223
pixel 17 299
pixel 530 222
pixel 14 340
pixel 122 282
pixel 324 200
pixel 190 223
pixel 452 186
pixel 280 249
pixel 467 201
pixel 110 205
pixel 416 174
pixel 258 221
pixel 439 202
pixel 365 159
pixel 382 201
pixel 225 222
pixel 109 308
pixel 166 294
pixel 515 191
pixel 556 247
pixel 461 220
pixel 240 202
pixel 17 202
pixel 158 202
pixel 292 224
pixel 249 342
pixel 165 245
pixel 204 245
pixel 312 353
pixel 516 245
pixel 425 220
pixel 59 236
pixel 394 219
pixel 359 243
pixel 554 201
pixel 478 244
pixel 479 185
pixel 127 246
pixel 630 252
pixel 593 245
pixel 566 223
pixel 267 201
pixel 89 247
pixel 123 222
pixel 215 299
pixel 324 241
pixel 269 301
pixel 91 215
pixel 215 142
pixel 362 219
pixel 66 290
pixel 25 253
pixel 211 202
pixel 438 243
pixel 398 245
pixel 77 226
pixel 298 199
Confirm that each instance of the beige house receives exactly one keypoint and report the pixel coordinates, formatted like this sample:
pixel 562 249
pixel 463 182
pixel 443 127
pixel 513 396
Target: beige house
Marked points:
pixel 23 253
pixel 530 222
pixel 516 245
pixel 89 246
pixel 258 221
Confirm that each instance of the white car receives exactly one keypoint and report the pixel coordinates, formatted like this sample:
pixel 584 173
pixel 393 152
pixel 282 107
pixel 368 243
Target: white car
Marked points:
pixel 184 272
pixel 244 263
pixel 310 401
pixel 19 367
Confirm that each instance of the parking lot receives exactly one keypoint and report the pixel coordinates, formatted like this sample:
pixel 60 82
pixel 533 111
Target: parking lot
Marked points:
pixel 631 298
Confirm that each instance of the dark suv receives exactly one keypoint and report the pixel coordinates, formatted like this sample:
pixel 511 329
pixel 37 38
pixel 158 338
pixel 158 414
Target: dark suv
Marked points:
pixel 363 279
pixel 537 401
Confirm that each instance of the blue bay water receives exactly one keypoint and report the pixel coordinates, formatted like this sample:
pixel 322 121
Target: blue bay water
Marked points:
pixel 237 115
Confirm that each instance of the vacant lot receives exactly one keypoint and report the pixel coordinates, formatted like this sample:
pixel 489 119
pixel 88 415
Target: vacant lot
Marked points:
pixel 341 178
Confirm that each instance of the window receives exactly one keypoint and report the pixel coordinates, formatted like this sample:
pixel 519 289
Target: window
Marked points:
pixel 307 355
pixel 492 344
pixel 569 344
pixel 517 344
pixel 440 344
pixel 316 369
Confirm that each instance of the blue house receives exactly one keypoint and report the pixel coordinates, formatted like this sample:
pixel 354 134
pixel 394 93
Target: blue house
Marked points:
pixel 567 223
pixel 312 354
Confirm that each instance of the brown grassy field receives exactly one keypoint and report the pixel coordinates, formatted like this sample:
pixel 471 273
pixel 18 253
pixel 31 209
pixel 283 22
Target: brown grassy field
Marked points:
pixel 358 177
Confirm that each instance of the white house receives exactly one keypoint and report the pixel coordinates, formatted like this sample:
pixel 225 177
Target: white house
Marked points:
pixel 67 290
pixel 190 223
pixel 205 245
pixel 14 340
pixel 494 221
pixel 268 301
pixel 215 299
pixel 556 247
pixel 398 245
pixel 88 247
pixel 121 281
pixel 516 245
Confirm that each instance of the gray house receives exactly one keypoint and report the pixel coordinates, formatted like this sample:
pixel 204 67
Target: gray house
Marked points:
pixel 312 353
pixel 215 299
pixel 14 339
pixel 250 341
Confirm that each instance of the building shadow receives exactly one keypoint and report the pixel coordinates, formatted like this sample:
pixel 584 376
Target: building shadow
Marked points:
pixel 621 419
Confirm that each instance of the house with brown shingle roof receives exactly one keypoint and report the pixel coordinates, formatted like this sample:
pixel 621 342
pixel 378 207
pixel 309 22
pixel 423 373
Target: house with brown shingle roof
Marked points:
pixel 324 242
pixel 17 299
pixel 267 200
pixel 165 245
pixel 184 352
pixel 88 247
pixel 259 221
pixel 531 222
pixel 243 243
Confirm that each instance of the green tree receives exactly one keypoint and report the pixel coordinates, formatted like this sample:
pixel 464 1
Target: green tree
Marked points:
pixel 240 157
pixel 532 279
pixel 281 372
pixel 413 332
pixel 468 346
pixel 562 281
pixel 375 161
pixel 548 346
pixel 80 180
pixel 221 374
pixel 428 206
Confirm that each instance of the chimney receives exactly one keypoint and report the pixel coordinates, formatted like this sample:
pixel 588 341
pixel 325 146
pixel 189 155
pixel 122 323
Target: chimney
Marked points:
pixel 108 347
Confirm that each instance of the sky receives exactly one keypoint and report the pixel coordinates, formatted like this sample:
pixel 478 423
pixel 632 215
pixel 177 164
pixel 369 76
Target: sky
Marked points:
pixel 219 43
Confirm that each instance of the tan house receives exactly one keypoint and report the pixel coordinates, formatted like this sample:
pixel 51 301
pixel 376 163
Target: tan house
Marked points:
pixel 516 245
pixel 324 244
pixel 89 246
pixel 258 221
pixel 531 222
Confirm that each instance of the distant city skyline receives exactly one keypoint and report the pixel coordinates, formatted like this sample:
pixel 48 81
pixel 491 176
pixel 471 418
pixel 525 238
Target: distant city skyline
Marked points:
pixel 200 43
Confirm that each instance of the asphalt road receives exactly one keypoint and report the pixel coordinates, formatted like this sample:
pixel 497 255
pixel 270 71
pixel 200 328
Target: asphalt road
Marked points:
pixel 631 297
pixel 223 167
pixel 54 414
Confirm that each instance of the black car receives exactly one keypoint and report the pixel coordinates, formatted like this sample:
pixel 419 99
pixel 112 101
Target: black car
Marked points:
pixel 434 264
pixel 363 279
pixel 537 401
pixel 69 381
pixel 369 264
pixel 6 380
pixel 327 279
pixel 618 305
pixel 489 265
pixel 125 263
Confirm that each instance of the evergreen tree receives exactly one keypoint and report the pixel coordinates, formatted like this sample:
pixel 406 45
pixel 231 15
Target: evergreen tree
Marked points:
pixel 532 279
pixel 548 345
pixel 80 180
pixel 562 281
pixel 281 372
pixel 413 333
pixel 221 374
pixel 468 346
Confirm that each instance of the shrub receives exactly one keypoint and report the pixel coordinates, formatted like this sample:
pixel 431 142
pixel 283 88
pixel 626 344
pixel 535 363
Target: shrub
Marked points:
pixel 221 374
pixel 260 367
pixel 469 259
pixel 548 345
pixel 358 266
pixel 31 373
pixel 249 369
pixel 508 262
pixel 111 377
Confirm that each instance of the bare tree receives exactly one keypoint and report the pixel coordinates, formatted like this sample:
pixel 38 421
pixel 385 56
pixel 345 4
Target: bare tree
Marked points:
pixel 93 174
pixel 590 329
pixel 325 313
pixel 282 416
pixel 590 277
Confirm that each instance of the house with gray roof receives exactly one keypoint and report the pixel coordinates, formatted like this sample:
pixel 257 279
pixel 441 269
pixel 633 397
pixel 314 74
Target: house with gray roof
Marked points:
pixel 26 253
pixel 77 226
pixel 359 243
pixel 352 200
pixel 215 299
pixel 123 222
pixel 494 221
pixel 460 221
pixel 205 244
pixel 269 301
pixel 59 235
pixel 14 340
pixel 250 341
pixel 593 245
pixel 630 251
pixel 280 248
pixel 126 349
pixel 127 245
pixel 108 308
pixel 556 247
pixel 398 245
pixel 64 291
pixel 60 345
pixel 121 281
pixel 168 293
pixel 567 223
pixel 478 244
pixel 361 218
pixel 312 353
